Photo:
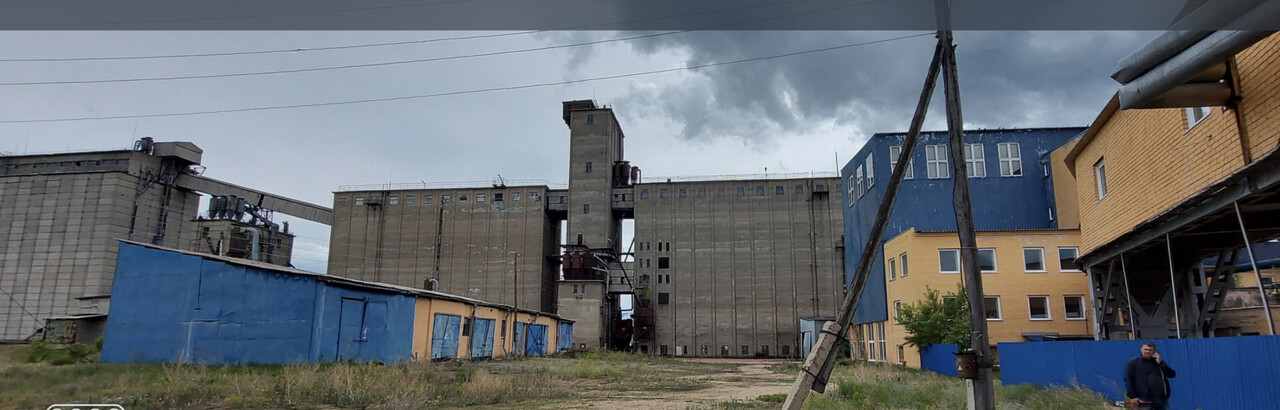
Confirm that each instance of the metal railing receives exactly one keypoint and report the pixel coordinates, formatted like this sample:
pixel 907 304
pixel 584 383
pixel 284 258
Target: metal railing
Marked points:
pixel 738 177
pixel 457 185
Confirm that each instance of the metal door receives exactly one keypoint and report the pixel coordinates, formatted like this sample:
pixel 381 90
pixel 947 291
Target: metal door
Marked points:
pixel 350 329
pixel 482 338
pixel 444 336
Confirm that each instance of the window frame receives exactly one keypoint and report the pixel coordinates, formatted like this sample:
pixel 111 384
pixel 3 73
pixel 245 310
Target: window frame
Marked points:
pixel 893 161
pixel 858 182
pixel 1068 268
pixel 893 270
pixel 936 155
pixel 995 262
pixel 1010 153
pixel 1100 178
pixel 1192 121
pixel 1083 310
pixel 903 257
pixel 1044 265
pixel 956 252
pixel 975 161
pixel 897 312
pixel 1048 310
pixel 998 310
pixel 871 172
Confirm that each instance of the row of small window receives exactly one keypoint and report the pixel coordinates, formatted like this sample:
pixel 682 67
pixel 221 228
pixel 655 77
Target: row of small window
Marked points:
pixel 1032 261
pixel 721 192
pixel 430 199
pixel 648 246
pixel 663 262
pixel 68 164
pixel 683 350
pixel 1037 308
pixel 1010 154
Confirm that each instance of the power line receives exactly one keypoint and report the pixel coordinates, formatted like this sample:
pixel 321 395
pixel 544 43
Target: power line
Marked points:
pixel 241 17
pixel 466 92
pixel 432 59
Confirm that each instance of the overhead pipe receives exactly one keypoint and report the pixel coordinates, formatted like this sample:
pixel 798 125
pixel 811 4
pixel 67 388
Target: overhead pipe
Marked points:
pixel 1212 50
pixel 257 237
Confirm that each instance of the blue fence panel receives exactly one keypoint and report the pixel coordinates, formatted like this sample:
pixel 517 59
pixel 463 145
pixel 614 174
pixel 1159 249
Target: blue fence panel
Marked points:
pixel 939 358
pixel 482 338
pixel 517 342
pixel 1219 373
pixel 535 343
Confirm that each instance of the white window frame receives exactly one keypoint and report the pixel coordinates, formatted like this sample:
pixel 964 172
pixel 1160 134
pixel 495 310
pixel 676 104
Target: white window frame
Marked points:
pixel 1067 268
pixel 884 355
pixel 481 197
pixel 903 257
pixel 975 161
pixel 893 270
pixel 897 312
pixel 1044 265
pixel 955 252
pixel 852 196
pixel 1083 309
pixel 1100 177
pixel 359 201
pixel 871 173
pixel 999 314
pixel 1048 311
pixel 858 182
pixel 936 158
pixel 1010 154
pixel 995 260
pixel 1196 115
pixel 895 152
pixel 393 200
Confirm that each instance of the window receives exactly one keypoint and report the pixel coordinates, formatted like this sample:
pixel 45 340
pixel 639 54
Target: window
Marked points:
pixel 746 350
pixel 992 305
pixel 480 197
pixel 1195 115
pixel 759 190
pixel 857 183
pixel 883 345
pixel 871 342
pixel 591 118
pixel 1100 177
pixel 410 200
pixel 895 152
pixel 779 190
pixel 799 189
pixel 1039 306
pixel 664 262
pixel 1033 259
pixel 903 258
pixel 897 311
pixel 986 260
pixel 851 184
pixel 444 199
pixel 901 356
pixel 497 197
pixel 533 196
pixel 515 196
pixel 644 194
pixel 871 173
pixel 936 158
pixel 720 192
pixel 342 201
pixel 359 201
pixel 975 161
pixel 588 167
pixel 1073 306
pixel 702 192
pixel 742 191
pixel 683 193
pixel 820 187
pixel 426 199
pixel 893 270
pixel 462 198
pixel 1067 259
pixel 949 260
pixel 1010 159
pixel 662 193
pixel 664 298
pixel 586 208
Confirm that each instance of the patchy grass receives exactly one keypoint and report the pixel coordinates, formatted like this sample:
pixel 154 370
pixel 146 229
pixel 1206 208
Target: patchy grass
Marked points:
pixel 860 385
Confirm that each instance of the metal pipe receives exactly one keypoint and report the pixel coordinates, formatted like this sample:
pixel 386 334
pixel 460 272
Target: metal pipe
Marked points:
pixel 257 236
pixel 1266 306
pixel 1128 297
pixel 1173 286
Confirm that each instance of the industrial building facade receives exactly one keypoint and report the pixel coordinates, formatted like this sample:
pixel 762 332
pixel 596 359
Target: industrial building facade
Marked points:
pixel 728 267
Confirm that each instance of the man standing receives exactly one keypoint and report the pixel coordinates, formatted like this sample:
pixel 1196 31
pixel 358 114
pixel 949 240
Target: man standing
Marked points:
pixel 1146 379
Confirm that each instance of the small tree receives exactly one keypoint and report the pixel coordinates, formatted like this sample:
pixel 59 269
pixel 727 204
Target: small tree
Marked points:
pixel 937 319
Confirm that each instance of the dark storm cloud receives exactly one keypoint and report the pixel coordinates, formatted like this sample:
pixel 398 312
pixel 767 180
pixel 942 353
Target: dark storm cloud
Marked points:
pixel 1007 79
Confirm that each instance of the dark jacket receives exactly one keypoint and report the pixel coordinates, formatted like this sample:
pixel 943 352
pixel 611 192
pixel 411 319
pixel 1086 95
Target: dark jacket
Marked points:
pixel 1148 380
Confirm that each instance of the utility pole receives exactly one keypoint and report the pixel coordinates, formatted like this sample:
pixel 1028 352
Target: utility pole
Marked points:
pixel 817 367
pixel 983 389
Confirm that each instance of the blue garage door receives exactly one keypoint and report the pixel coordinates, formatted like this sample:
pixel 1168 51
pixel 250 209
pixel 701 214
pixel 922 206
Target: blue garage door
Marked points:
pixel 350 329
pixel 535 343
pixel 482 338
pixel 564 336
pixel 444 336
pixel 517 343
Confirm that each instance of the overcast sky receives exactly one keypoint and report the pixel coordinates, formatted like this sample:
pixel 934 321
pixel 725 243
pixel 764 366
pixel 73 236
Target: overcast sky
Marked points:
pixel 799 113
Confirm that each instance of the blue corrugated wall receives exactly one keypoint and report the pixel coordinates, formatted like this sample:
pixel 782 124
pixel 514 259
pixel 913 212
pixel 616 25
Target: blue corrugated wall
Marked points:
pixel 925 204
pixel 564 336
pixel 1219 373
pixel 172 307
pixel 939 358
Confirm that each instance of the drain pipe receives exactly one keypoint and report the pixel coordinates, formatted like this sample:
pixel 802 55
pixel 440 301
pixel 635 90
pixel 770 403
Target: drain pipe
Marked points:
pixel 257 237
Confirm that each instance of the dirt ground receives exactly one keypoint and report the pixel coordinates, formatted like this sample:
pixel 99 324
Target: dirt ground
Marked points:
pixel 751 379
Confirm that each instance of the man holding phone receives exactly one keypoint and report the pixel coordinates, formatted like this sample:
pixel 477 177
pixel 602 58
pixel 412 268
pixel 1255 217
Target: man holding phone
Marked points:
pixel 1146 379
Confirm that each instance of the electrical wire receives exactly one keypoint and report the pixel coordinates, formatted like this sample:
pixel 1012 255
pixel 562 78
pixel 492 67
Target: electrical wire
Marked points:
pixel 466 92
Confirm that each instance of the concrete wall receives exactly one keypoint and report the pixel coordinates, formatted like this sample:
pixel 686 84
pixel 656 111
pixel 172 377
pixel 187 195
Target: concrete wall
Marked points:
pixel 61 215
pixel 595 138
pixel 585 302
pixel 1011 282
pixel 742 269
pixel 999 202
pixel 469 246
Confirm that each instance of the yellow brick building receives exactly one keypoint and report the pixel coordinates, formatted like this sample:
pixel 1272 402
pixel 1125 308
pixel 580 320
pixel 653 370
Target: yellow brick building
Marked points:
pixel 1033 291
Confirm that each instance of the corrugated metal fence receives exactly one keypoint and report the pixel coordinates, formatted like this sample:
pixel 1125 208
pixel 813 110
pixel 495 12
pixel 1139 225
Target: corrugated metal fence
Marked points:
pixel 939 358
pixel 1219 373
